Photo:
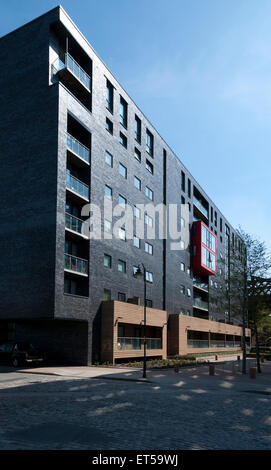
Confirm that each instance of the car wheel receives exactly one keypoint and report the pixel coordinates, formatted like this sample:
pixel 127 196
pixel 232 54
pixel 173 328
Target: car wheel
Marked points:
pixel 15 362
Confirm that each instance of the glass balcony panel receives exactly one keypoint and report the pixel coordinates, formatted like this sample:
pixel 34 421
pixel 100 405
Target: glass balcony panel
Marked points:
pixel 125 343
pixel 73 263
pixel 76 147
pixel 73 223
pixel 77 186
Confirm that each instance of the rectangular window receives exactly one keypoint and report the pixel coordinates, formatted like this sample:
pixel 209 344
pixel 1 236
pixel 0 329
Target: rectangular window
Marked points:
pixel 122 201
pixel 107 226
pixel 137 155
pixel 149 166
pixel 188 291
pixel 149 143
pixel 136 242
pixel 109 96
pixel 137 212
pixel 121 297
pixel 108 192
pixel 137 183
pixel 107 294
pixel 109 159
pixel 221 225
pixel 122 234
pixel 208 259
pixel 149 276
pixel 137 129
pixel 182 289
pixel 107 261
pixel 183 181
pixel 182 267
pixel 109 126
pixel 123 140
pixel 148 303
pixel 70 287
pixel 189 187
pixel 182 200
pixel 148 248
pixel 149 193
pixel 148 220
pixel 121 266
pixel 123 170
pixel 123 112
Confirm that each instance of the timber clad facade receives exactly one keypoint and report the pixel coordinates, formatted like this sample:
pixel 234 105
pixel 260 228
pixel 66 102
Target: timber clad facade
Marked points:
pixel 71 135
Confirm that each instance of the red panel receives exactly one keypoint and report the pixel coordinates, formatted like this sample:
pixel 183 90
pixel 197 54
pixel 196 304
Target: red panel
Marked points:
pixel 198 266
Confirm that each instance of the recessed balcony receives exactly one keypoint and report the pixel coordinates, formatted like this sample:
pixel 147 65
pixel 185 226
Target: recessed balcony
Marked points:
pixel 78 149
pixel 201 304
pixel 76 186
pixel 71 71
pixel 200 285
pixel 200 207
pixel 125 343
pixel 76 265
pixel 75 225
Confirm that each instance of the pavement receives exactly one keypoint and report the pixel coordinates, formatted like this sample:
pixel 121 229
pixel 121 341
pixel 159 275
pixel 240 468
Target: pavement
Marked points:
pixel 102 408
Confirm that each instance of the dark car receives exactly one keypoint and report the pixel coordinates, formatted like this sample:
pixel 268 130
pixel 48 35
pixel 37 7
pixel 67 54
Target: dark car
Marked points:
pixel 17 353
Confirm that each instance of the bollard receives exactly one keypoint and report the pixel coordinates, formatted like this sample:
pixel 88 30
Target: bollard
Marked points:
pixel 212 370
pixel 216 357
pixel 262 358
pixel 252 372
pixel 176 368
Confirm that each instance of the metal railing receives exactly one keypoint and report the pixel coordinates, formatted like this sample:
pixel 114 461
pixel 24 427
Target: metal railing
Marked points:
pixel 125 343
pixel 73 223
pixel 76 147
pixel 200 206
pixel 78 265
pixel 74 68
pixel 76 185
pixel 199 303
pixel 198 343
pixel 200 284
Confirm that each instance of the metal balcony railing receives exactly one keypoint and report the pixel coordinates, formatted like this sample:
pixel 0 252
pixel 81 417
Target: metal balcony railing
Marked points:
pixel 125 343
pixel 76 147
pixel 199 303
pixel 78 265
pixel 200 284
pixel 76 185
pixel 200 206
pixel 74 224
pixel 71 65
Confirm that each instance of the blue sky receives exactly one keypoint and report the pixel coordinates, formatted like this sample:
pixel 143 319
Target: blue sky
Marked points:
pixel 201 72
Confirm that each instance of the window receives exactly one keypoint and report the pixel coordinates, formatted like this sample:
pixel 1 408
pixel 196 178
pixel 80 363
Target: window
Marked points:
pixel 107 261
pixel 108 191
pixel 109 159
pixel 148 248
pixel 182 289
pixel 148 303
pixel 215 219
pixel 137 212
pixel 121 297
pixel 137 183
pixel 208 239
pixel 122 234
pixel 136 242
pixel 182 200
pixel 212 214
pixel 149 143
pixel 107 294
pixel 149 276
pixel 182 267
pixel 208 259
pixel 122 201
pixel 188 271
pixel 107 226
pixel 137 155
pixel 148 220
pixel 188 313
pixel 188 291
pixel 109 126
pixel 121 266
pixel 221 225
pixel 183 181
pixel 149 166
pixel 123 170
pixel 123 112
pixel 70 287
pixel 123 140
pixel 109 96
pixel 189 187
pixel 149 193
pixel 138 129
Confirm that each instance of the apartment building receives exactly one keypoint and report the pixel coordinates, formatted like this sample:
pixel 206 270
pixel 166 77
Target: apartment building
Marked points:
pixel 71 136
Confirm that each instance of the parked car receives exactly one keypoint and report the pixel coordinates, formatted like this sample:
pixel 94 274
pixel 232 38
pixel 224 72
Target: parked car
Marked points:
pixel 17 353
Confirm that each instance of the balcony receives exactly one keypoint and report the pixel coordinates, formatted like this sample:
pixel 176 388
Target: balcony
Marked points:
pixel 200 207
pixel 138 343
pixel 70 65
pixel 76 265
pixel 77 148
pixel 77 186
pixel 202 304
pixel 74 224
pixel 202 343
pixel 200 285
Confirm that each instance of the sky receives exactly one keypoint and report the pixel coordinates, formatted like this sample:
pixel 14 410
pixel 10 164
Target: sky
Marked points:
pixel 201 72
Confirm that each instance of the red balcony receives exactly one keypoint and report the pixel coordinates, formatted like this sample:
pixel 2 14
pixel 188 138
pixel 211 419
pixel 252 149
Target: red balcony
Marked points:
pixel 204 250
